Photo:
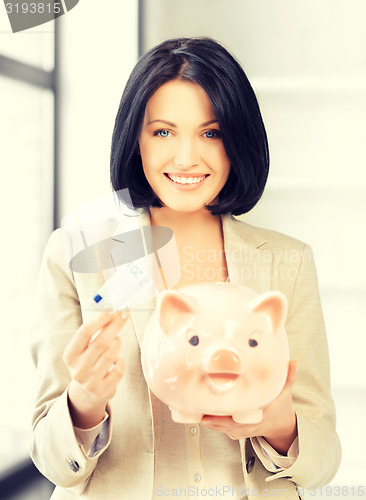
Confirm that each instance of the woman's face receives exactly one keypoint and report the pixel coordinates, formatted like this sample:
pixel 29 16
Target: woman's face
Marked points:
pixel 182 152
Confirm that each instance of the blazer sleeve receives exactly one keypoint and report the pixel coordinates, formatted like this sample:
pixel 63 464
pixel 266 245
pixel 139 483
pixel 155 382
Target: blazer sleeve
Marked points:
pixel 319 446
pixel 55 449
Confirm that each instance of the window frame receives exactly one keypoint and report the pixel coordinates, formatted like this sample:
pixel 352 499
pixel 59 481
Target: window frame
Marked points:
pixel 42 79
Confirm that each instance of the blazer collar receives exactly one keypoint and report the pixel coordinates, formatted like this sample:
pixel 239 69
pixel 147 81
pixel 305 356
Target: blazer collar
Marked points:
pixel 244 233
pixel 248 260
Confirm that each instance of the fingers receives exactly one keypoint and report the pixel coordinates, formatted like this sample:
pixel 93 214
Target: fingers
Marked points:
pixel 221 423
pixel 89 363
pixel 116 371
pixel 108 358
pixel 89 333
pixel 292 373
pixel 105 386
pixel 228 426
pixel 92 358
pixel 101 344
pixel 112 378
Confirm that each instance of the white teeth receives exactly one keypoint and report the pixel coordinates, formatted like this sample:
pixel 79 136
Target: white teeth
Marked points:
pixel 186 180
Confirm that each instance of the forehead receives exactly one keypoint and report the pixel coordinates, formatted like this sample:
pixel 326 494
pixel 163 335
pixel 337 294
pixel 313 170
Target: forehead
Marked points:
pixel 180 99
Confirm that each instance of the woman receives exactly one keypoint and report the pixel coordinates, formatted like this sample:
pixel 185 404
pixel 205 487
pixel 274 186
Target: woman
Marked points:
pixel 190 146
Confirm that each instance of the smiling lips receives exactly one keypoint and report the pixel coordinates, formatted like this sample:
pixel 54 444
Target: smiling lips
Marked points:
pixel 186 180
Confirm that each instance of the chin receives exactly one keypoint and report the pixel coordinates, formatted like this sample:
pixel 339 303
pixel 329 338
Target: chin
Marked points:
pixel 182 205
pixel 185 205
pixel 187 209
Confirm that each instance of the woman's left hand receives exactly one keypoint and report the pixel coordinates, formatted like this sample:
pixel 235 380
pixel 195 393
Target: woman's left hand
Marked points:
pixel 278 425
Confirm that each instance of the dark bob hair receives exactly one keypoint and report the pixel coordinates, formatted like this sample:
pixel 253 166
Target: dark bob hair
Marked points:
pixel 207 63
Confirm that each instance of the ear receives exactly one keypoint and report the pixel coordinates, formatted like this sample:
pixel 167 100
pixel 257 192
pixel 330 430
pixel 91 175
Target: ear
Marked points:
pixel 274 304
pixel 175 310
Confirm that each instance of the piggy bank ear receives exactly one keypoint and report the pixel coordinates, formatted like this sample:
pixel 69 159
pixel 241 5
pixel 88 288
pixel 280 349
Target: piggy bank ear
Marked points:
pixel 175 310
pixel 274 304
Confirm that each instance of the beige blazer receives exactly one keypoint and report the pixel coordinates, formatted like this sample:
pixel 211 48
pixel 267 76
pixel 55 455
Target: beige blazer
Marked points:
pixel 124 469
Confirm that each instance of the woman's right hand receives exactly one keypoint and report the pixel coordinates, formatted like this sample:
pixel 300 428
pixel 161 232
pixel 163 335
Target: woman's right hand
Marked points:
pixel 92 358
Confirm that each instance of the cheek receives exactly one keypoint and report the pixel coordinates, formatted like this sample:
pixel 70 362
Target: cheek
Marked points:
pixel 153 154
pixel 215 154
pixel 223 163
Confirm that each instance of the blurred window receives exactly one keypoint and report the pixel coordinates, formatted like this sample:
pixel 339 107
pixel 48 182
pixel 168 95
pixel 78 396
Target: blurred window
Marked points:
pixel 26 194
pixel 34 48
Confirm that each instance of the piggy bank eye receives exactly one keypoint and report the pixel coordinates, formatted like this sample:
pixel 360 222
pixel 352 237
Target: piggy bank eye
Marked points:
pixel 194 340
pixel 254 339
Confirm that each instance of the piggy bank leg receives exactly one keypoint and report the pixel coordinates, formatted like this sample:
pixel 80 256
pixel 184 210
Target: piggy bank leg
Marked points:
pixel 186 418
pixel 249 417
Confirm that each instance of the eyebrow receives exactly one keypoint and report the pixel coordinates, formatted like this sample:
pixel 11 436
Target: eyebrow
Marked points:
pixel 206 124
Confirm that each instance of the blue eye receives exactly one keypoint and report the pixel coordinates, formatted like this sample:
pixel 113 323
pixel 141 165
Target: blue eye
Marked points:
pixel 212 134
pixel 162 133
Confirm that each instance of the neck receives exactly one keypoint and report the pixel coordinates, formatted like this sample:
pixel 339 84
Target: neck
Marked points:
pixel 177 221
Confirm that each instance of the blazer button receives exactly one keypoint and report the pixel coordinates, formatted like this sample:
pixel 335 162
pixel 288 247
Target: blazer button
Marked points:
pixel 250 465
pixel 74 466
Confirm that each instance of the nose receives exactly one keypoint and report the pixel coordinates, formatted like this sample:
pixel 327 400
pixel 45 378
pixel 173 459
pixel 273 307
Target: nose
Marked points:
pixel 224 360
pixel 186 153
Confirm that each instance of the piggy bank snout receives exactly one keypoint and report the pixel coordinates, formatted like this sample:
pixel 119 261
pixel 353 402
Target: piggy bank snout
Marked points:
pixel 223 360
pixel 222 367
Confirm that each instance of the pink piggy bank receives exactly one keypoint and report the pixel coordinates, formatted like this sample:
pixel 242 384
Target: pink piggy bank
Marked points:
pixel 216 349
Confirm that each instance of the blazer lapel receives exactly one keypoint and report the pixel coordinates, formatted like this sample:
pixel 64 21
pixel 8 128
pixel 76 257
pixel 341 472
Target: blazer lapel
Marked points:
pixel 249 262
pixel 136 227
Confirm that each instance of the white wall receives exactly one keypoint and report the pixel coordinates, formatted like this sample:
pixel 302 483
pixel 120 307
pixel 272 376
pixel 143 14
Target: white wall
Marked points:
pixel 98 50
